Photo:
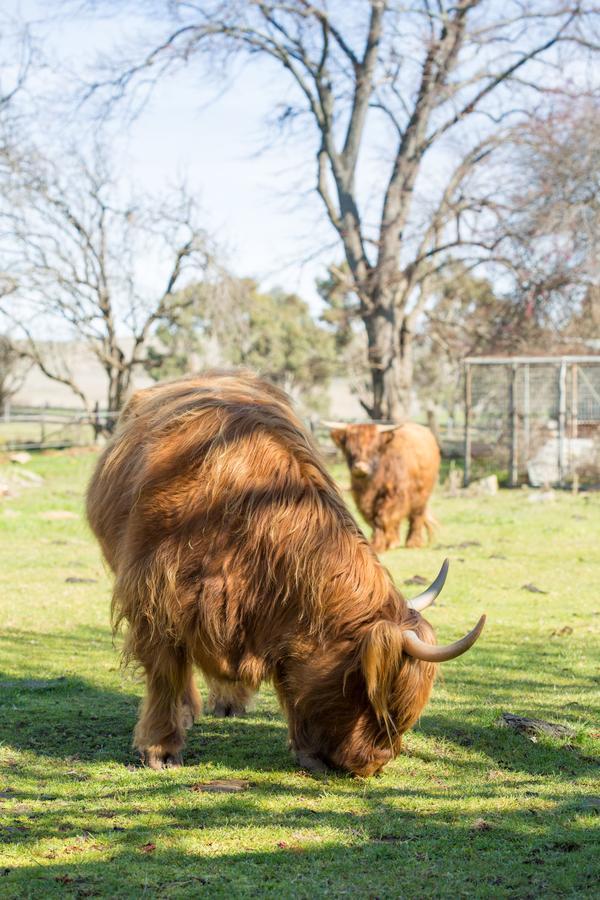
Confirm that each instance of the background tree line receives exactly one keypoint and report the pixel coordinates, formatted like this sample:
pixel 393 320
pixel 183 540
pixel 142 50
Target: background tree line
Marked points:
pixel 479 235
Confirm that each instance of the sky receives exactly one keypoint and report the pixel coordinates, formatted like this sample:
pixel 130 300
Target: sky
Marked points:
pixel 251 203
pixel 259 206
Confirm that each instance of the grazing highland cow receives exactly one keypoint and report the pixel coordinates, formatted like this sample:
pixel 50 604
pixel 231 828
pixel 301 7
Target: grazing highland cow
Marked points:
pixel 234 552
pixel 393 471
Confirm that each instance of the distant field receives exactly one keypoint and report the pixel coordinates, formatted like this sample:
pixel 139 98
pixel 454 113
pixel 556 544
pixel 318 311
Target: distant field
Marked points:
pixel 469 810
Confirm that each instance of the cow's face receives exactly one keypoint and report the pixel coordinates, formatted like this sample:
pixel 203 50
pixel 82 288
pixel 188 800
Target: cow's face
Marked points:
pixel 350 701
pixel 362 445
pixel 365 749
pixel 391 688
pixel 349 706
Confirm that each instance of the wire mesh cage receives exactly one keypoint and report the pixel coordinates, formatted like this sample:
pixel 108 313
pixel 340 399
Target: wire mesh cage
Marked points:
pixel 534 419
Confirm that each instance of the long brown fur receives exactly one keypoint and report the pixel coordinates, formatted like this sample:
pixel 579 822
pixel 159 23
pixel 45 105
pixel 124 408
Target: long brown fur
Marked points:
pixel 392 475
pixel 233 551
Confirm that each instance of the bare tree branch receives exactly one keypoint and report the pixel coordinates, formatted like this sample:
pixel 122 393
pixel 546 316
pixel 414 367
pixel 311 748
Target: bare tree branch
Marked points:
pixel 72 250
pixel 445 79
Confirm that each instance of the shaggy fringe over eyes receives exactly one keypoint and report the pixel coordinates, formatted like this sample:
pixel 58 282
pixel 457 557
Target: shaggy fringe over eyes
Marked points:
pixel 398 686
pixel 381 656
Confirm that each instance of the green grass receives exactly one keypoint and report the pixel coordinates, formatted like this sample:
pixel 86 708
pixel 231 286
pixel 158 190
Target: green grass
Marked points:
pixel 469 810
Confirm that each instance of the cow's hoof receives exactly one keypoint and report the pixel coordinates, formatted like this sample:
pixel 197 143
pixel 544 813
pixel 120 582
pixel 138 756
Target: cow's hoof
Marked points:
pixel 227 710
pixel 159 760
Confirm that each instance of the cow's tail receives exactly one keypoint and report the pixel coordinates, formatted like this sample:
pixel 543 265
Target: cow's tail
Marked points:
pixel 431 525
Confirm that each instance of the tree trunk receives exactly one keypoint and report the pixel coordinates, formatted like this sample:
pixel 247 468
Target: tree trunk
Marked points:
pixel 405 365
pixel 118 386
pixel 390 364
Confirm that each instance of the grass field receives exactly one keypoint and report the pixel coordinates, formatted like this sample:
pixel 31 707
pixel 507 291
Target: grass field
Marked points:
pixel 469 810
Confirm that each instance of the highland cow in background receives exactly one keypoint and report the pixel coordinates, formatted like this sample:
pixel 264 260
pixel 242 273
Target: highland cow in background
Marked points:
pixel 233 551
pixel 393 471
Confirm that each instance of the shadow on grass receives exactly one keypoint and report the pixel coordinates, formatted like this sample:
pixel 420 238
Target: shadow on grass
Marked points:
pixel 386 852
pixel 160 838
pixel 64 717
pixel 68 718
pixel 502 748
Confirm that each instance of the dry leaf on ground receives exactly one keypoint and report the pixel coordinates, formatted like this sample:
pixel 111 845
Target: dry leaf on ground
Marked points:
pixel 221 786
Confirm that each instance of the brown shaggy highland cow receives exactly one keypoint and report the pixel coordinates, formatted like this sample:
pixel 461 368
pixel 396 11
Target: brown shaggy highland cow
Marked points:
pixel 393 471
pixel 234 552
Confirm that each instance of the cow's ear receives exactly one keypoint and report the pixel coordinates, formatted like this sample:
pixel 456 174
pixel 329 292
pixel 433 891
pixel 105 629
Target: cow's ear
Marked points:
pixel 338 436
pixel 387 434
pixel 381 655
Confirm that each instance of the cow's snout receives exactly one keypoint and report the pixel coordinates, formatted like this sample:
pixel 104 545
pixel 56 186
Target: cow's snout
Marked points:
pixel 361 470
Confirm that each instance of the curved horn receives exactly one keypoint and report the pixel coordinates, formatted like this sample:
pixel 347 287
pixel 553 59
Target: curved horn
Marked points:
pixel 414 646
pixel 334 425
pixel 383 428
pixel 426 598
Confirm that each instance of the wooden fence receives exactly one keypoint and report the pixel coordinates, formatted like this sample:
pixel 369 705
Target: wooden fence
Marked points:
pixel 45 428
pixel 57 428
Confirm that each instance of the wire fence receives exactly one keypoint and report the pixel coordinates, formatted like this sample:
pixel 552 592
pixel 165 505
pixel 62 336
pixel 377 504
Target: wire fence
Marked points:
pixel 534 419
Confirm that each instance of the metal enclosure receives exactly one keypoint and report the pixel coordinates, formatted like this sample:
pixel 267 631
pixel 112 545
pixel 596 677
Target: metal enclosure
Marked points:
pixel 537 418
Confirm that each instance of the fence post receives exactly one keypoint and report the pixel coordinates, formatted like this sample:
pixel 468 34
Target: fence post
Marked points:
pixel 96 422
pixel 43 424
pixel 513 479
pixel 562 415
pixel 574 401
pixel 526 415
pixel 468 402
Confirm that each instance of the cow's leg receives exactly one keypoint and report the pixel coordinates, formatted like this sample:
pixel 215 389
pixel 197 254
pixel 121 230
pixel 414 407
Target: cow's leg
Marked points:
pixel 299 742
pixel 192 702
pixel 378 539
pixel 392 532
pixel 169 707
pixel 416 528
pixel 310 762
pixel 386 530
pixel 228 698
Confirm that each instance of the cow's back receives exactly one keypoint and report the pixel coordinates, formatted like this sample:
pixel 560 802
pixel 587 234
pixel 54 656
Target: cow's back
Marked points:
pixel 219 517
pixel 176 442
pixel 415 449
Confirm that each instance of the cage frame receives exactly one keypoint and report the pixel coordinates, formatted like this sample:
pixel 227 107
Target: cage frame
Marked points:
pixel 559 362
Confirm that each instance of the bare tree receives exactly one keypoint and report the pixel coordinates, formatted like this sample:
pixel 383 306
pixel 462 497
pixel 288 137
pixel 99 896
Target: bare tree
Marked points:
pixel 17 54
pixel 552 225
pixel 13 370
pixel 88 267
pixel 438 84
